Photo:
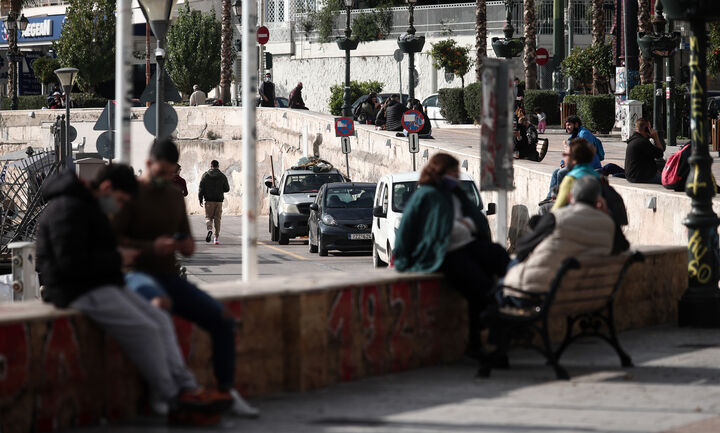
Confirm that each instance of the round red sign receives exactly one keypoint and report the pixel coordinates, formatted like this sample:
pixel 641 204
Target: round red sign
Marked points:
pixel 263 35
pixel 541 56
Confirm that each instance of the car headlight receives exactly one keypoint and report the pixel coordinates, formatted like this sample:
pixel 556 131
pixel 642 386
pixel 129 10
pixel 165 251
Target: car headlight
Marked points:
pixel 288 208
pixel 329 220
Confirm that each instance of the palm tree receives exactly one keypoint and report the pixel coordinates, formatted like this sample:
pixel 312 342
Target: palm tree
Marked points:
pixel 480 36
pixel 645 26
pixel 529 55
pixel 226 54
pixel 598 37
pixel 16 7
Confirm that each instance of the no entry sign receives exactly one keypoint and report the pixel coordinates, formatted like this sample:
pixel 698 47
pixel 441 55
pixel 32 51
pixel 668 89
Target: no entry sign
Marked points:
pixel 263 35
pixel 541 56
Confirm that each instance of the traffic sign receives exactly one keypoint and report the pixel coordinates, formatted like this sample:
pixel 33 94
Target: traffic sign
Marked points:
pixel 263 35
pixel 541 56
pixel 169 120
pixel 345 145
pixel 105 145
pixel 71 133
pixel 414 141
pixel 344 127
pixel 413 121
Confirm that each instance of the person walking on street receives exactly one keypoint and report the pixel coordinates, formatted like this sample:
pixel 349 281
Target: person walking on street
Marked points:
pixel 198 97
pixel 74 233
pixel 156 223
pixel 267 92
pixel 180 182
pixel 296 99
pixel 213 187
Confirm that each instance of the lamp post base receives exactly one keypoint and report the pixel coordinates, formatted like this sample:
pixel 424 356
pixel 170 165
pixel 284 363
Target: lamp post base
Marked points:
pixel 700 310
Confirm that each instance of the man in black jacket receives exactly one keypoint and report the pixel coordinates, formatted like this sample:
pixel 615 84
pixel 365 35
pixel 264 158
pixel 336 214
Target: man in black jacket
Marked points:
pixel 640 155
pixel 80 266
pixel 394 113
pixel 267 92
pixel 213 186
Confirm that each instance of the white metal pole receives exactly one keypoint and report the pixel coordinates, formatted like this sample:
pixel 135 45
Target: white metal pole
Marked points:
pixel 249 89
pixel 123 51
pixel 501 218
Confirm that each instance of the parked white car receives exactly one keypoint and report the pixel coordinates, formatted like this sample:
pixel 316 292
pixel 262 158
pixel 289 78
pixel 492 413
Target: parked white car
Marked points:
pixel 432 108
pixel 392 194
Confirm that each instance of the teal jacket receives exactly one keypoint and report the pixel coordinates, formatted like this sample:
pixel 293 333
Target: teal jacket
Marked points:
pixel 424 233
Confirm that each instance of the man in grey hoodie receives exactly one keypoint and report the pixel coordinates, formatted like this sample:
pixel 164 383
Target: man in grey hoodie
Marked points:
pixel 213 187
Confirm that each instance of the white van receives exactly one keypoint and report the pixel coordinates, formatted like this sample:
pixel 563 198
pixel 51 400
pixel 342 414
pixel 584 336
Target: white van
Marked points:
pixel 392 194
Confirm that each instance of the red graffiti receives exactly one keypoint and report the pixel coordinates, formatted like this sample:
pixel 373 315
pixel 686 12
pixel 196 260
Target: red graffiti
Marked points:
pixel 63 377
pixel 14 360
pixel 340 327
pixel 429 326
pixel 401 347
pixel 372 311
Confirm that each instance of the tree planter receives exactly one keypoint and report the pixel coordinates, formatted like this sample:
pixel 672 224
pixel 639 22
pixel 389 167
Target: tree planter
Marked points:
pixel 347 44
pixel 414 45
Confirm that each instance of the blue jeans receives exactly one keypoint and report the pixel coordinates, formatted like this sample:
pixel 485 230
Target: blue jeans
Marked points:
pixel 556 179
pixel 198 307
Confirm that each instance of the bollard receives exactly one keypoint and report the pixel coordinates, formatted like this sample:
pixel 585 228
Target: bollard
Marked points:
pixel 25 283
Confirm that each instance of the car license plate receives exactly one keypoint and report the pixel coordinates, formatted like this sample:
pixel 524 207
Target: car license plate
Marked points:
pixel 360 236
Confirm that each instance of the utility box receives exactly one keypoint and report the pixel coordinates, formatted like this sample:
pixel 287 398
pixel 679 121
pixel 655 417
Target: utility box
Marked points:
pixel 24 278
pixel 631 111
pixel 88 168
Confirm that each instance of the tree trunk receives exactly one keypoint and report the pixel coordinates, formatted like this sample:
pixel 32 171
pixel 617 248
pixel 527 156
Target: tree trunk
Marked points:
pixel 645 26
pixel 15 8
pixel 226 52
pixel 529 54
pixel 480 37
pixel 600 84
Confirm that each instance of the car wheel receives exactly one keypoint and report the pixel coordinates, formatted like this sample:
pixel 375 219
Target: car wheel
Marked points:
pixel 377 262
pixel 312 248
pixel 283 239
pixel 322 249
pixel 273 230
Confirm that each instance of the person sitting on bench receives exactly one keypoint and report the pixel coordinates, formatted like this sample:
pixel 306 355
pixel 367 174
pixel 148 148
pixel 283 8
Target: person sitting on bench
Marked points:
pixel 561 234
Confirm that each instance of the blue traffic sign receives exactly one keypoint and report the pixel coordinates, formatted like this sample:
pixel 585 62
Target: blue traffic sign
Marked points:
pixel 344 127
pixel 413 121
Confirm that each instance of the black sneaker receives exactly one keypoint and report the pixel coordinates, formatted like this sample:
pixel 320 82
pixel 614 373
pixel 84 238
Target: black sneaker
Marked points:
pixel 209 236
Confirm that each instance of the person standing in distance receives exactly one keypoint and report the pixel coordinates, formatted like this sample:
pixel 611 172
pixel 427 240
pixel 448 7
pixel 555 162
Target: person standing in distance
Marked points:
pixel 198 97
pixel 267 92
pixel 213 187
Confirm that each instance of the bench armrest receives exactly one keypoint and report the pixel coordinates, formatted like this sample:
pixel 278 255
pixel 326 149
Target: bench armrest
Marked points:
pixel 539 296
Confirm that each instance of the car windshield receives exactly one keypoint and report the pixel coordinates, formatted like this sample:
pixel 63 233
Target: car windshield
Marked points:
pixel 311 182
pixel 403 190
pixel 350 197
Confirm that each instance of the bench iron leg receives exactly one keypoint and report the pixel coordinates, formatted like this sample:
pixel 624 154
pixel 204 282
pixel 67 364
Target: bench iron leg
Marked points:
pixel 625 359
pixel 560 372
pixel 570 324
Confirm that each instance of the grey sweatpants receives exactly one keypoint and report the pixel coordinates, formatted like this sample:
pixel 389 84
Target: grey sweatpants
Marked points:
pixel 145 333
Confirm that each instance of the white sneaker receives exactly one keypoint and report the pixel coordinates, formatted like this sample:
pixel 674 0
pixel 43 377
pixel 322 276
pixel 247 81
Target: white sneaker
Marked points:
pixel 241 408
pixel 158 406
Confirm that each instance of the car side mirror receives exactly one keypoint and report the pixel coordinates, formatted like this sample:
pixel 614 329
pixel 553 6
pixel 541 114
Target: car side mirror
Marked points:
pixel 269 183
pixel 314 207
pixel 274 191
pixel 378 212
pixel 491 210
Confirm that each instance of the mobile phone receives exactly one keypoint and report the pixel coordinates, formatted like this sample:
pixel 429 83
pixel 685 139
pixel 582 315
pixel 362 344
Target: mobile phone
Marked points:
pixel 647 129
pixel 180 236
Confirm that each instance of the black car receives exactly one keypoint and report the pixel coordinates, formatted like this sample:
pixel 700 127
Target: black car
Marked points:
pixel 341 218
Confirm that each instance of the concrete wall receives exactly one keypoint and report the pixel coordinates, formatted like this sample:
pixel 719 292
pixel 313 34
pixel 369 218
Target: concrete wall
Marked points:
pixel 374 153
pixel 293 334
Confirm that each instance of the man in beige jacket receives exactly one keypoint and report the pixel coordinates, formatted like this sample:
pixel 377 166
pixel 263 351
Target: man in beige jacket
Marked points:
pixel 583 229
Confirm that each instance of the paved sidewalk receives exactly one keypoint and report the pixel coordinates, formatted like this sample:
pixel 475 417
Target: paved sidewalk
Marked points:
pixel 674 388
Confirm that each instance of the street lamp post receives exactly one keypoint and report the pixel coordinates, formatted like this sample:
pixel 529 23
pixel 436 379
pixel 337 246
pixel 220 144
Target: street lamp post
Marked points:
pixel 508 47
pixel 12 25
pixel 348 45
pixel 658 45
pixel 700 304
pixel 157 12
pixel 237 8
pixel 411 44
pixel 67 80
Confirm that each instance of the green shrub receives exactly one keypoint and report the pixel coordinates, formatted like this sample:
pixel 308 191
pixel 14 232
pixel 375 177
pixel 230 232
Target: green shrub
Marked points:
pixel 44 69
pixel 451 57
pixel 597 112
pixel 473 101
pixel 325 21
pixel 452 105
pixel 365 28
pixel 357 89
pixel 37 102
pixel 547 100
pixel 644 94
